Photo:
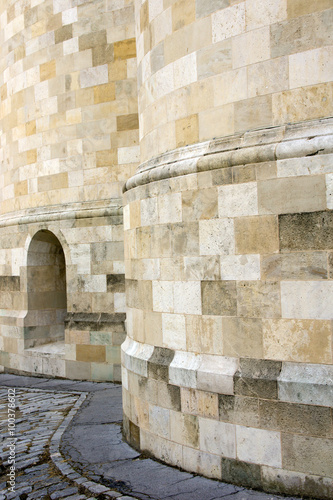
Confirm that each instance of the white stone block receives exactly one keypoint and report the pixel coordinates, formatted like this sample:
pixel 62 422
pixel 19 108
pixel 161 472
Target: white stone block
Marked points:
pixel 94 283
pixel 174 331
pixel 311 165
pixel 129 154
pixel 228 22
pixel 151 269
pixel 69 16
pixel 163 296
pixel 216 374
pixel 70 46
pixel 240 267
pixel 187 297
pixel 119 302
pixel 155 8
pixel 258 446
pixel 162 25
pixel 217 437
pixel 149 211
pixel 185 71
pixel 90 77
pixel 170 208
pixel 159 421
pixel 306 383
pixel 80 256
pixel 307 299
pixel 216 237
pixel 126 215
pixel 183 369
pixel 41 90
pixel 238 200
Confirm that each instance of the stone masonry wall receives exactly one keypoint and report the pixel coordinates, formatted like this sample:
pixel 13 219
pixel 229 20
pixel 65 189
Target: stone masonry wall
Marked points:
pixel 69 122
pixel 227 365
pixel 213 68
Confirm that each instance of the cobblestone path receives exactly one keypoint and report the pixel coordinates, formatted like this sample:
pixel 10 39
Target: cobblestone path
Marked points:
pixel 37 416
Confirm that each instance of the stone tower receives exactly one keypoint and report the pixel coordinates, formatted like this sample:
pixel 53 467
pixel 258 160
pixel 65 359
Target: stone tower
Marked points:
pixel 224 231
pixel 227 366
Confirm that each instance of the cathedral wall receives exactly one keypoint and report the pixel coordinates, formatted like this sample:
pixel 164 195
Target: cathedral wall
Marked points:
pixel 69 121
pixel 227 365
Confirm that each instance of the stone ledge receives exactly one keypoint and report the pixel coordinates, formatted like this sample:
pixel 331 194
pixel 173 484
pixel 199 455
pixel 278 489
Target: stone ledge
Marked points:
pixel 66 211
pixel 304 383
pixel 289 141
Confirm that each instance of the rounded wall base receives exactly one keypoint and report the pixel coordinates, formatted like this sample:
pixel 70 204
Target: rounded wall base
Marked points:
pixel 256 423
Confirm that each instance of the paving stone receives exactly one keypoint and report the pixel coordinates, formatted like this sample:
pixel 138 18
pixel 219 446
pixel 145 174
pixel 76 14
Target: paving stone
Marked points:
pixel 93 445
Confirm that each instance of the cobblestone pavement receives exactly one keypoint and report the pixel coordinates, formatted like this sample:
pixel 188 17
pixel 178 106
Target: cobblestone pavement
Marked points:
pixel 68 445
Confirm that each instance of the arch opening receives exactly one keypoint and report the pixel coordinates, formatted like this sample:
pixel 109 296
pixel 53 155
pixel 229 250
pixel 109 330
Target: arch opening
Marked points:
pixel 46 289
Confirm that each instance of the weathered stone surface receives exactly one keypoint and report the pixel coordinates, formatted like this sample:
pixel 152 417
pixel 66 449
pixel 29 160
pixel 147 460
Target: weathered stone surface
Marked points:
pixel 306 231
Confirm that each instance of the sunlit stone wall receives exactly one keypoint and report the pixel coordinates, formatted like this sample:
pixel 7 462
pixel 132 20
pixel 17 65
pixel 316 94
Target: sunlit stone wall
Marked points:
pixel 69 140
pixel 227 365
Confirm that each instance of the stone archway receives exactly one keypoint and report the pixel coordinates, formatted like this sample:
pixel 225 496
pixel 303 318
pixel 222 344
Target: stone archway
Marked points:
pixel 46 288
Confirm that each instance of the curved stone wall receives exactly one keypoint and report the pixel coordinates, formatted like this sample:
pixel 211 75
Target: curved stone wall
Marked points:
pixel 227 366
pixel 69 123
pixel 214 68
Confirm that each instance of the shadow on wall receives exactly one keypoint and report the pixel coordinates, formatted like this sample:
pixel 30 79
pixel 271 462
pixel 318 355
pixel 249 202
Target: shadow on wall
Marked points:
pixel 46 287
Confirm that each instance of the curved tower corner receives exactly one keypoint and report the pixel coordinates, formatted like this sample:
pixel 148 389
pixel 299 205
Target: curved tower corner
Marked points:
pixel 227 365
pixel 69 140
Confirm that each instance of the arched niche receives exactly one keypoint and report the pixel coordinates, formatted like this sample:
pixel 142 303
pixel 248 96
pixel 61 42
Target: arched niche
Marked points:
pixel 46 288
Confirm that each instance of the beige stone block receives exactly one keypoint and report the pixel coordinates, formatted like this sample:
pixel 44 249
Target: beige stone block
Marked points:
pixel 307 299
pixel 216 237
pixel 228 22
pixel 204 404
pixel 295 266
pixel 303 104
pixel 292 195
pixel 237 200
pixel 301 33
pixel 251 47
pixel 153 328
pixel 187 131
pixel 171 452
pixel 170 208
pixel 297 8
pixel 159 421
pixel 217 437
pixel 216 122
pixel 199 204
pixel 174 331
pixel 242 337
pixel 202 268
pixel 311 67
pixel 90 353
pixel 258 446
pixel 230 86
pixel 149 211
pixel 256 235
pixel 104 93
pixel 125 49
pixel 304 341
pixel 201 96
pixel 307 454
pixel 204 334
pixel 94 76
pixel 268 77
pixel 204 463
pixel 258 299
pixel 253 113
pixel 47 70
pixel 172 268
pixel 261 14
pixel 183 13
pixel 184 429
pixel 214 59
